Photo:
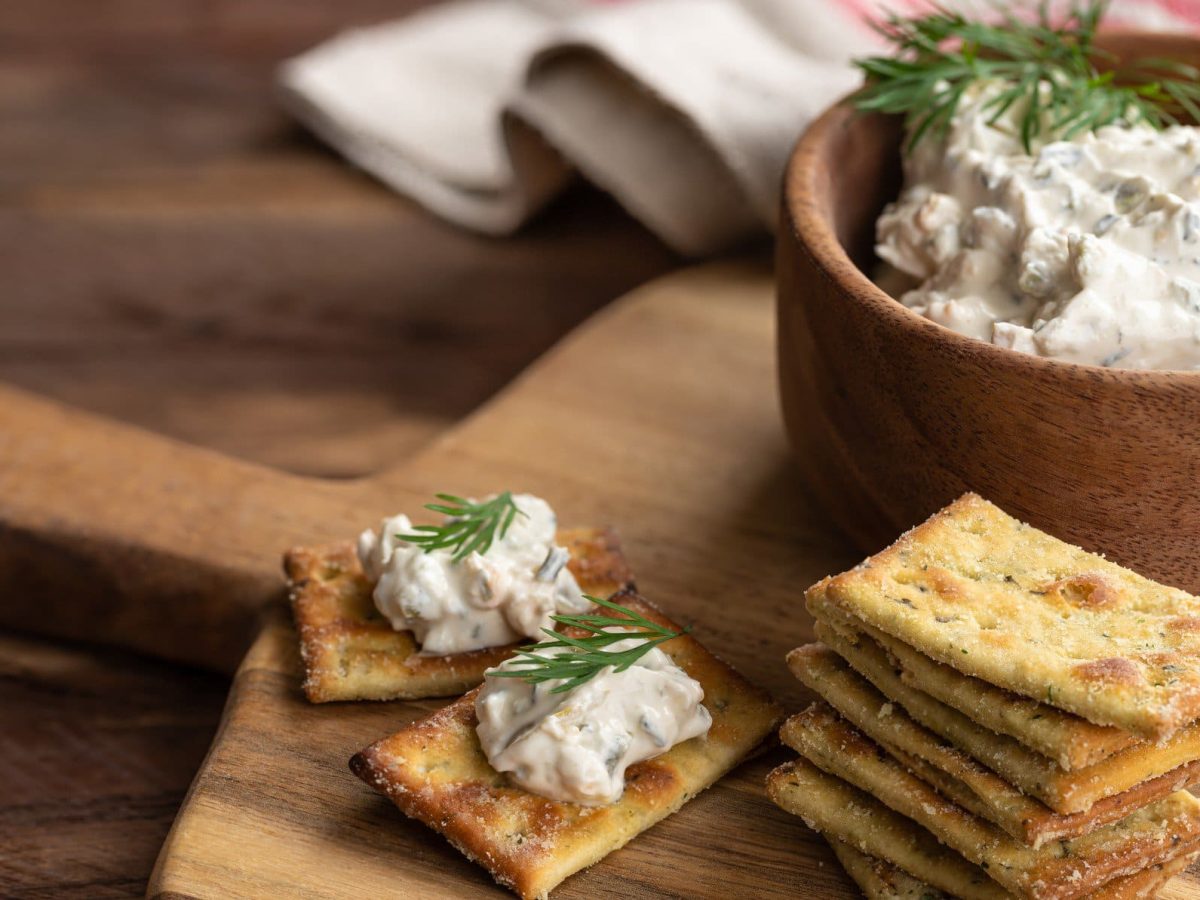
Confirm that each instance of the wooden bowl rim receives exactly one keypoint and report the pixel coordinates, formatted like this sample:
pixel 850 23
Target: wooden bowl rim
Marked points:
pixel 815 232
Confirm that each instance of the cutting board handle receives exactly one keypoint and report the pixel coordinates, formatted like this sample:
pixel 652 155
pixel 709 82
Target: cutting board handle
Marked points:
pixel 114 535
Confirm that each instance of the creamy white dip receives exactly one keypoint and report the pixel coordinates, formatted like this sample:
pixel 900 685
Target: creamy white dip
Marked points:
pixel 1087 250
pixel 486 600
pixel 575 746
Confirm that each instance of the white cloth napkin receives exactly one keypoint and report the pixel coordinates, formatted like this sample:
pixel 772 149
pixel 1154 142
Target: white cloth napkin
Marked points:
pixel 684 110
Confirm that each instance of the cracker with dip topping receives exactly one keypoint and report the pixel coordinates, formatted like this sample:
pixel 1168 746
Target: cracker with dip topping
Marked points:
pixel 1039 776
pixel 1001 601
pixel 881 880
pixel 351 652
pixel 955 774
pixel 1157 833
pixel 435 771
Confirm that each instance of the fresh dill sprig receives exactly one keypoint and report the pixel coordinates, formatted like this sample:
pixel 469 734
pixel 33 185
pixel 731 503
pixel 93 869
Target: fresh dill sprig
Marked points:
pixel 1051 74
pixel 470 527
pixel 582 658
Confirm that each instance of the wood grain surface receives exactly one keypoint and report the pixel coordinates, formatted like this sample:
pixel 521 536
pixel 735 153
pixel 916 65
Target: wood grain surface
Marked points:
pixel 97 749
pixel 179 255
pixel 658 417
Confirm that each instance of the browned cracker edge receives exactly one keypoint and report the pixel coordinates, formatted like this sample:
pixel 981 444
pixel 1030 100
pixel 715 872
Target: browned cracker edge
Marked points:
pixel 476 809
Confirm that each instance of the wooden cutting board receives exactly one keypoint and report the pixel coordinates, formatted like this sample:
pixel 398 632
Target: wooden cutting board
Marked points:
pixel 657 417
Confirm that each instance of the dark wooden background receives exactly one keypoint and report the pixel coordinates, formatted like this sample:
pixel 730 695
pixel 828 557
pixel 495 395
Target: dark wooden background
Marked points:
pixel 176 253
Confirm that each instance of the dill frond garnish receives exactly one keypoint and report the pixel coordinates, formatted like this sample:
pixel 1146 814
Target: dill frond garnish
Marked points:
pixel 1054 77
pixel 581 658
pixel 471 527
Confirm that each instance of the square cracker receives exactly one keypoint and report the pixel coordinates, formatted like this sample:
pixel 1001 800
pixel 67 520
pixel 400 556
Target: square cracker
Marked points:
pixel 886 853
pixel 1039 776
pixel 881 880
pixel 841 812
pixel 1073 742
pixel 994 598
pixel 953 773
pixel 351 652
pixel 437 773
pixel 1156 833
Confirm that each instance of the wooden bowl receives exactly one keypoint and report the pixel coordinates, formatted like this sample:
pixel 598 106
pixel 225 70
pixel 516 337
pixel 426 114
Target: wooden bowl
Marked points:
pixel 897 415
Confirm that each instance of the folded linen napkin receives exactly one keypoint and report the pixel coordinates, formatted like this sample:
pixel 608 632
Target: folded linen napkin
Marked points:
pixel 684 110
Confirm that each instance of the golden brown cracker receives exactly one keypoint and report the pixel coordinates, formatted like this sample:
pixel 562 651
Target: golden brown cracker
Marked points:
pixel 881 880
pixel 952 772
pixel 840 811
pixel 1071 741
pixel 351 652
pixel 996 599
pixel 1151 835
pixel 435 771
pixel 1064 792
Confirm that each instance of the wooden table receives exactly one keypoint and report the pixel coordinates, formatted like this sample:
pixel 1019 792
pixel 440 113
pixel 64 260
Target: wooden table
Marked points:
pixel 177 254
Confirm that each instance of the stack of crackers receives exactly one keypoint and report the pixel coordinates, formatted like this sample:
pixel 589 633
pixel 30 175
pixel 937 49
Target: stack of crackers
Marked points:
pixel 1001 714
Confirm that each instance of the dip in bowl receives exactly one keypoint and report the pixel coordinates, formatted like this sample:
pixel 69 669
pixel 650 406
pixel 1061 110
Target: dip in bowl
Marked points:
pixel 896 415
